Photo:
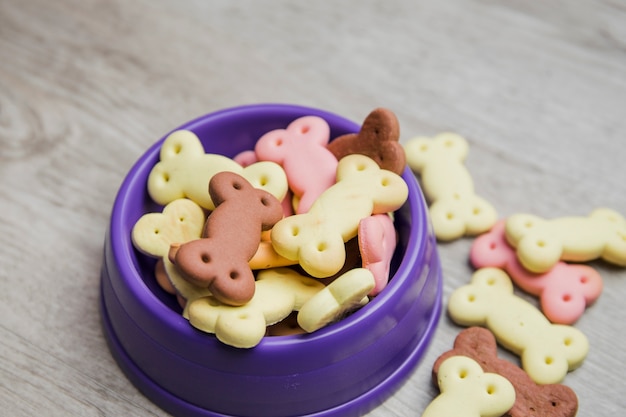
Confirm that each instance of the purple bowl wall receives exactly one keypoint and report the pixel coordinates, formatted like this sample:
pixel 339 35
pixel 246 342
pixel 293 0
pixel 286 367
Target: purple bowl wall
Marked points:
pixel 343 370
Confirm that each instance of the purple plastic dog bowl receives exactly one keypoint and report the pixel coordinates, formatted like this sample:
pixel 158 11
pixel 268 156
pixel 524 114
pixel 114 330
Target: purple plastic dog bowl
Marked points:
pixel 345 369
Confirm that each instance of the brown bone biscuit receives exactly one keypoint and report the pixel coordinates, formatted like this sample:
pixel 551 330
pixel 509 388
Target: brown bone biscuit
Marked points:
pixel 378 139
pixel 531 399
pixel 231 236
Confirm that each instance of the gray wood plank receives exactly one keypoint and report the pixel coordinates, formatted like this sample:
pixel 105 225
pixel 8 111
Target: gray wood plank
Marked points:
pixel 538 88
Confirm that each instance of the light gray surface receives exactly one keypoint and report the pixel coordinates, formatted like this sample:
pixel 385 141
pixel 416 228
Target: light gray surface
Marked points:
pixel 538 89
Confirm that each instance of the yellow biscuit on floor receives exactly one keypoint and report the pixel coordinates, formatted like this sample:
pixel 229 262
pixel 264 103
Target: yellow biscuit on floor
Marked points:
pixel 455 209
pixel 469 392
pixel 547 351
pixel 541 243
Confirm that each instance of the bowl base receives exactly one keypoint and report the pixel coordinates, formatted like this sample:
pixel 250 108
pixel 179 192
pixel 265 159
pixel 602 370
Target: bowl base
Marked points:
pixel 178 407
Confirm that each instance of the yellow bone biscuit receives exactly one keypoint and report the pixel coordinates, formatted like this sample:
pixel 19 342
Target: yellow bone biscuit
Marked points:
pixel 180 221
pixel 541 243
pixel 341 296
pixel 455 210
pixel 278 292
pixel 316 238
pixel 184 170
pixel 469 392
pixel 547 351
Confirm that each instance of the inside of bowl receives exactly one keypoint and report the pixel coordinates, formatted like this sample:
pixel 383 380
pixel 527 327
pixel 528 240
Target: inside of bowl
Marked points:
pixel 145 265
pixel 225 135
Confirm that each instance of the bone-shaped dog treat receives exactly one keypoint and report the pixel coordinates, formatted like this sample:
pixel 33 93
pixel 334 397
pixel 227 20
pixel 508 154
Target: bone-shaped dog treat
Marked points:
pixel 377 242
pixel 278 292
pixel 219 261
pixel 341 296
pixel 316 238
pixel 184 170
pixel 180 221
pixel 542 243
pixel 468 391
pixel 547 351
pixel 455 210
pixel 564 291
pixel 301 151
pixel 531 399
pixel 378 139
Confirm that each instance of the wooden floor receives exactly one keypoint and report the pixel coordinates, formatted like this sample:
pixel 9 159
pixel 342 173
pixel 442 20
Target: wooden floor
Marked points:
pixel 537 88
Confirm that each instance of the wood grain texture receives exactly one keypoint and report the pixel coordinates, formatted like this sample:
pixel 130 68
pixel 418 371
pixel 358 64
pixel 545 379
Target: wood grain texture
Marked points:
pixel 538 88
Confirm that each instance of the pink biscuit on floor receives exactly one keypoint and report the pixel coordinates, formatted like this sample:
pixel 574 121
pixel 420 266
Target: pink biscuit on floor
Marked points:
pixel 301 151
pixel 564 291
pixel 377 242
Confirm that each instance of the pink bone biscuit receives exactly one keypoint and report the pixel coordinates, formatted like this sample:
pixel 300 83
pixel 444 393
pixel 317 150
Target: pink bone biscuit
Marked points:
pixel 301 151
pixel 564 291
pixel 377 242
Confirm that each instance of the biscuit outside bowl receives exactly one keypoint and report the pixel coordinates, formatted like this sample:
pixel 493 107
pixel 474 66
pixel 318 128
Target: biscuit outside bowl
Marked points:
pixel 345 369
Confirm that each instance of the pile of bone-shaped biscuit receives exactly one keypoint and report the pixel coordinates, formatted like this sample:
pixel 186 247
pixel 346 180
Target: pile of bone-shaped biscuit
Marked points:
pixel 290 236
pixel 542 257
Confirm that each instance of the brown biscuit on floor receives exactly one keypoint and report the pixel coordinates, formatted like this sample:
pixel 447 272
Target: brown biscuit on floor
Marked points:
pixel 532 399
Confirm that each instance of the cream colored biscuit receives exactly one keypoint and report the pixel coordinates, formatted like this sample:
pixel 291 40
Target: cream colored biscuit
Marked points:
pixel 469 392
pixel 184 170
pixel 547 351
pixel 316 238
pixel 180 221
pixel 341 296
pixel 278 292
pixel 541 243
pixel 455 209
